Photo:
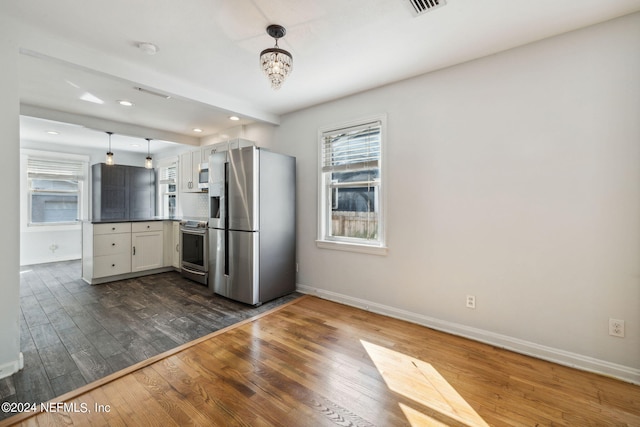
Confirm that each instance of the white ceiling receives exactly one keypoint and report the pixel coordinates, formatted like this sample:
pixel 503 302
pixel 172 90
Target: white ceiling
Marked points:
pixel 208 55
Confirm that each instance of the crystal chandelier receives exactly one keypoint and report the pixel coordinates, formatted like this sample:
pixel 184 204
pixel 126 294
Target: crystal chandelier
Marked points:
pixel 276 63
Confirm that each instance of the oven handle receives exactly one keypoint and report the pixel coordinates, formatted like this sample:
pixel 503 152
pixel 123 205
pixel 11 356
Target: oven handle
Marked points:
pixel 190 270
pixel 194 231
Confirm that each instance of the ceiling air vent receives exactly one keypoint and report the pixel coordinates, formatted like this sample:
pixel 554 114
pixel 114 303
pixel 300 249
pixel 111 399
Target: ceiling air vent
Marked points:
pixel 424 6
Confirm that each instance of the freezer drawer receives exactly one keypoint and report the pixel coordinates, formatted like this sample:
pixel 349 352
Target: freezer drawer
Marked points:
pixel 234 265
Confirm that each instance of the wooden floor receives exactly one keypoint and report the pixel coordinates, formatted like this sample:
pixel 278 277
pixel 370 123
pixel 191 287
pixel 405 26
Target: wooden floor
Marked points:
pixel 72 333
pixel 312 362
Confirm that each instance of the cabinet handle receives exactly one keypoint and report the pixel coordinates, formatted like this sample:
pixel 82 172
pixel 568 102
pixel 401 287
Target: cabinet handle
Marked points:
pixel 177 247
pixel 134 250
pixel 148 226
pixel 113 244
pixel 113 229
pixel 113 265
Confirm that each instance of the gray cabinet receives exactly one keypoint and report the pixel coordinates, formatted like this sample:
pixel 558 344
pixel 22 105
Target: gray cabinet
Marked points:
pixel 122 192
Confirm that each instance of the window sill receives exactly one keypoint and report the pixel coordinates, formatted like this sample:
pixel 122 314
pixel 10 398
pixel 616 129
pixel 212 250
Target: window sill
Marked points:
pixel 39 228
pixel 352 247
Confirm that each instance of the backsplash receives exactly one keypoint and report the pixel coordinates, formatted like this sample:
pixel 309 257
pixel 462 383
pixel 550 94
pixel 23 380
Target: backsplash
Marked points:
pixel 194 205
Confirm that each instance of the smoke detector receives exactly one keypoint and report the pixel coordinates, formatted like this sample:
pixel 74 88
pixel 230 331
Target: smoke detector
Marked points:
pixel 420 7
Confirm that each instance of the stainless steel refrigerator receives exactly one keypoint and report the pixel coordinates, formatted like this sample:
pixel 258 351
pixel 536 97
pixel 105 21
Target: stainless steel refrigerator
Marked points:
pixel 252 224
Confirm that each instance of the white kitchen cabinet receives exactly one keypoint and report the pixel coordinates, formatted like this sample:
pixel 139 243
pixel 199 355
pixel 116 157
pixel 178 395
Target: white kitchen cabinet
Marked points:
pixel 106 250
pixel 123 250
pixel 189 169
pixel 175 259
pixel 146 245
pixel 172 244
pixel 206 151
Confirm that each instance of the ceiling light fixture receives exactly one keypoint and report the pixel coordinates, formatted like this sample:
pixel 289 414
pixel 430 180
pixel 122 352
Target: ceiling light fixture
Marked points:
pixel 53 132
pixel 151 92
pixel 126 103
pixel 148 48
pixel 276 63
pixel 148 163
pixel 234 118
pixel 109 160
pixel 197 130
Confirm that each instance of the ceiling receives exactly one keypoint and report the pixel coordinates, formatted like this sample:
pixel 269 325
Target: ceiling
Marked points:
pixel 78 58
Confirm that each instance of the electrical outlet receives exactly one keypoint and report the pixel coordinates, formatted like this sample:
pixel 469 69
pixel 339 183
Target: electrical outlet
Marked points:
pixel 471 301
pixel 616 327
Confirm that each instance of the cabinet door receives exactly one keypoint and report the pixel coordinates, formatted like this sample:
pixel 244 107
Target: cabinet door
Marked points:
pixel 187 183
pixel 189 169
pixel 146 251
pixel 142 193
pixel 176 245
pixel 110 192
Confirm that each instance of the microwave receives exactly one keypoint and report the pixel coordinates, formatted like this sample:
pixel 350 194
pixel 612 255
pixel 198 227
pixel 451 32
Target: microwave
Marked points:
pixel 203 176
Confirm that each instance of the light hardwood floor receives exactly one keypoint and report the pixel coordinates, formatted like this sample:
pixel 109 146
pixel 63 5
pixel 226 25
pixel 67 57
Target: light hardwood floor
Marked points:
pixel 314 363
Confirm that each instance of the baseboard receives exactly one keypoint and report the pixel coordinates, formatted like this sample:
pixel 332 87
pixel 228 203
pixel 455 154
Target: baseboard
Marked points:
pixel 11 368
pixel 47 260
pixel 528 348
pixel 133 275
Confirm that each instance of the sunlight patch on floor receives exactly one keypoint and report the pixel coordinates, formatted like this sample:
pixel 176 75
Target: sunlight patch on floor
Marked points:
pixel 421 382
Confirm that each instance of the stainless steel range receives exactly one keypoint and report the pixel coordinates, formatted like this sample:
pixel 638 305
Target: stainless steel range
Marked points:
pixel 194 250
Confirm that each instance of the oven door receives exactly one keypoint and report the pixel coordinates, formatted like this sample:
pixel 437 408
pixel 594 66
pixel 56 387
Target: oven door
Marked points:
pixel 194 252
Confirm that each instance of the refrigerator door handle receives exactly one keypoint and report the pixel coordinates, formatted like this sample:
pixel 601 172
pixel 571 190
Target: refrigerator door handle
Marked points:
pixel 226 218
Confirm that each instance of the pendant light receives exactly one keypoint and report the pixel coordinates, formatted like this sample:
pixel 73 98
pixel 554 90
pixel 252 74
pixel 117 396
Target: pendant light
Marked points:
pixel 109 160
pixel 276 63
pixel 148 163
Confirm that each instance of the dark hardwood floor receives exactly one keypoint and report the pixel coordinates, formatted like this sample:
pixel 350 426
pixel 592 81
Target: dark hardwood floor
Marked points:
pixel 73 333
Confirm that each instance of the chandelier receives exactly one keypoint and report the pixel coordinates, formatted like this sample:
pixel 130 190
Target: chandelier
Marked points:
pixel 276 63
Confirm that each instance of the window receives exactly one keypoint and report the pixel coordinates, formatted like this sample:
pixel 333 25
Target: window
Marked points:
pixel 167 175
pixel 54 189
pixel 351 193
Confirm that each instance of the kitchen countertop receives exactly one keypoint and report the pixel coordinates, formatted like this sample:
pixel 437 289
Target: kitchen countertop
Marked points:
pixel 114 221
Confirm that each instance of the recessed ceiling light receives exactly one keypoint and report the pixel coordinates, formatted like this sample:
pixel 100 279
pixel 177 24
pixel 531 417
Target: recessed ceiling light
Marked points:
pixel 234 118
pixel 135 145
pixel 197 130
pixel 53 132
pixel 125 103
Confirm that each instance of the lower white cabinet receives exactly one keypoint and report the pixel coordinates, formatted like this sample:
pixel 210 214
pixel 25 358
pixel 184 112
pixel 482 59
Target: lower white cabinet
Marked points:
pixel 175 258
pixel 111 245
pixel 146 245
pixel 121 250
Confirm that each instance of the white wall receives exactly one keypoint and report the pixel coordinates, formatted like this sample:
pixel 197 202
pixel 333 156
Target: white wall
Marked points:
pixel 514 178
pixel 10 356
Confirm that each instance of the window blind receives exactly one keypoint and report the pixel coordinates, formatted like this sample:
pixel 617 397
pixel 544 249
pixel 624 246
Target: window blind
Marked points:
pixel 43 168
pixel 168 174
pixel 351 149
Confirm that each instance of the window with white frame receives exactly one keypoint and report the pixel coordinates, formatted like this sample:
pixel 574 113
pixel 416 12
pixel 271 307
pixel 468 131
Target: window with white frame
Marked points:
pixel 168 187
pixel 351 193
pixel 54 190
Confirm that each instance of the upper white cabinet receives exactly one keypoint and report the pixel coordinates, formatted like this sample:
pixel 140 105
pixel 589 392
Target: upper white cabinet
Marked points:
pixel 189 169
pixel 191 160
